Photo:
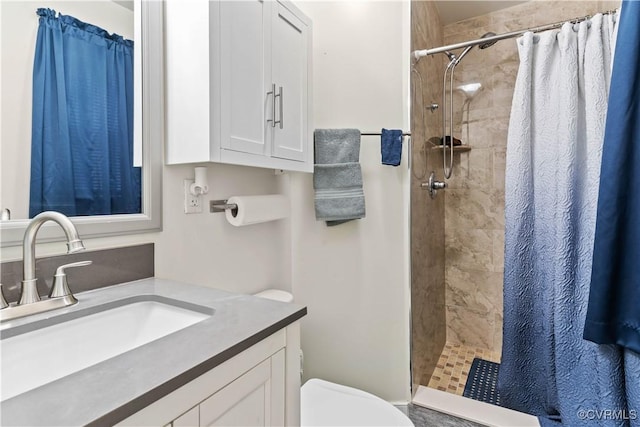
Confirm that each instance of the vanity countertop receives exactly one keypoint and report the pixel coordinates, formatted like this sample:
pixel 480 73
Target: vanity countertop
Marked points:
pixel 112 390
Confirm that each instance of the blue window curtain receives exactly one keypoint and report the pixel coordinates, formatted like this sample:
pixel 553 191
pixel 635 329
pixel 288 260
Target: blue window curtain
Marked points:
pixel 82 122
pixel 614 301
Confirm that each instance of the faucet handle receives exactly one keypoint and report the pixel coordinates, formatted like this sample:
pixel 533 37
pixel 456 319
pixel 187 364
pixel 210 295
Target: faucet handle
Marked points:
pixel 60 287
pixel 3 302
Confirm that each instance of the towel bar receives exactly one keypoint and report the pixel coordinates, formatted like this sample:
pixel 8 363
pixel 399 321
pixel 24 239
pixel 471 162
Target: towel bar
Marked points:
pixel 379 134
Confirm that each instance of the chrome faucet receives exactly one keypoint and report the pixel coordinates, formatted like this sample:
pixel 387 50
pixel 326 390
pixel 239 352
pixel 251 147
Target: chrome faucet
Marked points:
pixel 60 295
pixel 29 292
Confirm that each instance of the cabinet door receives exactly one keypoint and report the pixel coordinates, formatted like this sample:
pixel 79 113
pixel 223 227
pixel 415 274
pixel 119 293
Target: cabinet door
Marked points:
pixel 254 399
pixel 290 74
pixel 245 44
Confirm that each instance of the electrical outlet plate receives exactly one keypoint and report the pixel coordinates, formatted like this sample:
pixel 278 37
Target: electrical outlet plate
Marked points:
pixel 192 204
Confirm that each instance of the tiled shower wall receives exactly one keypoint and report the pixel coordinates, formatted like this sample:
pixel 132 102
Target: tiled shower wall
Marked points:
pixel 427 215
pixel 474 202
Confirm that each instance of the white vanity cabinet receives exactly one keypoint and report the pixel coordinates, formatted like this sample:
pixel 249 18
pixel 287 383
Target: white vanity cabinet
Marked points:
pixel 238 83
pixel 254 399
pixel 258 387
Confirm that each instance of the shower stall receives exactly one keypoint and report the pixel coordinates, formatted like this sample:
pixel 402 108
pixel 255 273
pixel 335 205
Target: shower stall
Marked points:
pixel 457 237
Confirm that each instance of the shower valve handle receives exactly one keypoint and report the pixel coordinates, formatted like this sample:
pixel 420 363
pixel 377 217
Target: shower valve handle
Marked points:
pixel 433 186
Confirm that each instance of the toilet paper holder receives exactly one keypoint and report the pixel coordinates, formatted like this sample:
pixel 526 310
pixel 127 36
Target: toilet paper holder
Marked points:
pixel 222 205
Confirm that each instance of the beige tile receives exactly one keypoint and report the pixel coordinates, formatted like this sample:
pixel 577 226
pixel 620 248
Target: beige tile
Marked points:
pixel 499 167
pixel 608 5
pixel 501 112
pixel 497 337
pixel 427 216
pixel 504 79
pixel 562 10
pixel 503 52
pixel 479 114
pixel 467 249
pixel 506 71
pixel 466 26
pixel 480 292
pixel 521 11
pixel 470 328
pixel 498 250
pixel 473 169
pixel 479 167
pixel 419 170
pixel 485 133
pixel 493 289
pixel 460 292
pixel 478 208
pixel 512 19
pixel 455 382
pixel 459 176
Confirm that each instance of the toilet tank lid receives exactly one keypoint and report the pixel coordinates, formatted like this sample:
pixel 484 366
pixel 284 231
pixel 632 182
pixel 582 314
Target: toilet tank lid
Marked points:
pixel 276 295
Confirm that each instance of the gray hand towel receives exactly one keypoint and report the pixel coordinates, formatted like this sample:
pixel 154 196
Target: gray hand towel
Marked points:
pixel 336 146
pixel 337 176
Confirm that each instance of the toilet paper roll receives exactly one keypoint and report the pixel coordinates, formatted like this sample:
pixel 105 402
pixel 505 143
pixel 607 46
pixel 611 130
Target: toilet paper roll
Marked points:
pixel 257 209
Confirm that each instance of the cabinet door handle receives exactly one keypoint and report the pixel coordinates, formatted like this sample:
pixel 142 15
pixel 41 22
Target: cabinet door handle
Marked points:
pixel 281 121
pixel 272 120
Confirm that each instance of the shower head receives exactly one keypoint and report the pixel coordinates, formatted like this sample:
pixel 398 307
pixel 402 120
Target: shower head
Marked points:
pixel 457 60
pixel 489 43
pixel 470 90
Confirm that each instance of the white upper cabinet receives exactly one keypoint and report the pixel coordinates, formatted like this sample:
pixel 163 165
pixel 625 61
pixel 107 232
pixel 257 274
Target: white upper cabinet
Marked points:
pixel 245 64
pixel 290 72
pixel 240 93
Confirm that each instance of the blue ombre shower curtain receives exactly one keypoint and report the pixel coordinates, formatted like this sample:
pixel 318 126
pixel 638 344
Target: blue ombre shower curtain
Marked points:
pixel 82 120
pixel 554 153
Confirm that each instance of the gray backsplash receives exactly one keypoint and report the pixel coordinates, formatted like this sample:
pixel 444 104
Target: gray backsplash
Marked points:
pixel 110 266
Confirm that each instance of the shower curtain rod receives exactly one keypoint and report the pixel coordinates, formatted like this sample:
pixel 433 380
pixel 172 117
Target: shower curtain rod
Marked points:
pixel 417 54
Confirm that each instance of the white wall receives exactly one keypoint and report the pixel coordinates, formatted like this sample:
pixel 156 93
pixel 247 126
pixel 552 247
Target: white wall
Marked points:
pixel 205 249
pixel 18 29
pixel 354 277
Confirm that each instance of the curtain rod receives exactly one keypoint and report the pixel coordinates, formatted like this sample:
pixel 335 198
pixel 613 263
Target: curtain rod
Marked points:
pixel 417 54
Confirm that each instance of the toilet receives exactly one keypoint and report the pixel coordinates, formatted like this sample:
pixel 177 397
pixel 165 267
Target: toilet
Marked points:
pixel 323 403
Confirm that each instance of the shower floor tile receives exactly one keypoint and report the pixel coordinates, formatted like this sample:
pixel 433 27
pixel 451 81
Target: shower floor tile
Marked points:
pixel 453 366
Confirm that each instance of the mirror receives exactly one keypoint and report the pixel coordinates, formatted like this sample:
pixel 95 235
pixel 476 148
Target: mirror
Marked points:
pixel 148 121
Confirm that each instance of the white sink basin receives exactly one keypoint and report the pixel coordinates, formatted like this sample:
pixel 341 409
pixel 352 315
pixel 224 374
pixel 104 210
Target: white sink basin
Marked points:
pixel 38 357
